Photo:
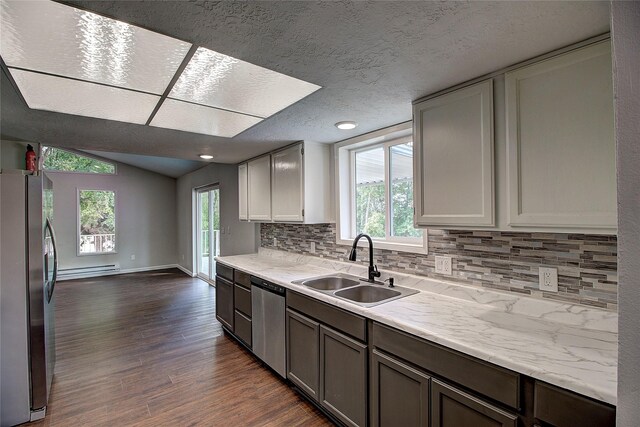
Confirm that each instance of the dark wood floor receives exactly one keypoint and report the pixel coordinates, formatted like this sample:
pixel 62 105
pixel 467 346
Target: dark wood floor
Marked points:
pixel 145 349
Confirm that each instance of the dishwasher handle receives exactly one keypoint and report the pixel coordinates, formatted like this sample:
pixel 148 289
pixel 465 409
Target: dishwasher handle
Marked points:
pixel 268 286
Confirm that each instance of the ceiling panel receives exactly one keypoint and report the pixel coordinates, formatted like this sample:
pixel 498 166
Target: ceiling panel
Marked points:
pixel 188 117
pixel 62 40
pixel 218 80
pixel 50 93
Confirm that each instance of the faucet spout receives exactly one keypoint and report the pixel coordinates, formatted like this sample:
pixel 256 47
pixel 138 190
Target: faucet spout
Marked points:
pixel 373 269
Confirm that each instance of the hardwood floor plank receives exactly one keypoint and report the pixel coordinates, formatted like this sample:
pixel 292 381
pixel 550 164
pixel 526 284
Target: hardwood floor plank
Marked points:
pixel 145 349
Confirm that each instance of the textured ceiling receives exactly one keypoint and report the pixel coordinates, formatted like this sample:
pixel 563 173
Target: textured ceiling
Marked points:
pixel 165 166
pixel 371 58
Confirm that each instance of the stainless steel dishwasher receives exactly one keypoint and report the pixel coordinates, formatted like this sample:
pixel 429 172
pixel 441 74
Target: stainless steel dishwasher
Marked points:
pixel 268 323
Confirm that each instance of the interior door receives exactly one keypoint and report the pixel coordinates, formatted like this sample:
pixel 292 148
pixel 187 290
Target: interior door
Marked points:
pixel 207 231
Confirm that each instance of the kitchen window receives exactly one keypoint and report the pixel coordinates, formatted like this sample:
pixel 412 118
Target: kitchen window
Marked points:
pixel 96 222
pixel 375 190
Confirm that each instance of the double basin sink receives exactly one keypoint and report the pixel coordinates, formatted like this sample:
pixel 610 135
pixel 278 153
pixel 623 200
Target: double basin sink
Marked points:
pixel 353 289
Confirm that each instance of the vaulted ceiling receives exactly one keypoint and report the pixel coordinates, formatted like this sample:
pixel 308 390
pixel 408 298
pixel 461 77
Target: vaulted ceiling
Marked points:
pixel 371 59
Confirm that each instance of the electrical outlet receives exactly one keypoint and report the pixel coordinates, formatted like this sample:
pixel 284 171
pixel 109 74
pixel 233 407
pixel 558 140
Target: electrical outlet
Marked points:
pixel 443 265
pixel 182 257
pixel 133 257
pixel 312 247
pixel 548 279
pixel 275 242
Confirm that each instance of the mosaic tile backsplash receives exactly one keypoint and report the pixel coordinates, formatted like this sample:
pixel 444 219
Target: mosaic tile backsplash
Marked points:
pixel 509 261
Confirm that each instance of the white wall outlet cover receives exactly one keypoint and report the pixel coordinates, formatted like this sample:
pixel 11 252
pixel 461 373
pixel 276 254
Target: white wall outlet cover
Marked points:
pixel 133 257
pixel 443 265
pixel 312 247
pixel 548 279
pixel 275 242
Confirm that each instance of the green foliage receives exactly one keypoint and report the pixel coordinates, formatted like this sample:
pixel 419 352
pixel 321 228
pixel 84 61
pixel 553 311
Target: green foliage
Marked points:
pixel 97 212
pixel 370 209
pixel 66 161
pixel 402 209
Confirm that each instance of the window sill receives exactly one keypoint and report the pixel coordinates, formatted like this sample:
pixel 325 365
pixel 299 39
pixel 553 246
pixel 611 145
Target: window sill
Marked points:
pixel 96 253
pixel 392 246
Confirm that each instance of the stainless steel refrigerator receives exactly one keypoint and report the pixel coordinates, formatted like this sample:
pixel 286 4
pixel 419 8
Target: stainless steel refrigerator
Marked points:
pixel 28 269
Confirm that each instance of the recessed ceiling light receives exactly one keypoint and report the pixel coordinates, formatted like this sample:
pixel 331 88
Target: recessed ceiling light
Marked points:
pixel 346 125
pixel 206 156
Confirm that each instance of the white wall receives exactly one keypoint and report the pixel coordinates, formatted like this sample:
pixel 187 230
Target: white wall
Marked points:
pixel 145 217
pixel 240 239
pixel 625 27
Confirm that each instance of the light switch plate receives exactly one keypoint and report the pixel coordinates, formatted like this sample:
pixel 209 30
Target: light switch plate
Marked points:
pixel 548 279
pixel 443 265
pixel 312 247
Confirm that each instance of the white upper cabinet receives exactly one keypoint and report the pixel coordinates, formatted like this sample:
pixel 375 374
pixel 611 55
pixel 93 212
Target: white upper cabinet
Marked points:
pixel 287 184
pixel 259 188
pixel 560 141
pixel 242 192
pixel 453 158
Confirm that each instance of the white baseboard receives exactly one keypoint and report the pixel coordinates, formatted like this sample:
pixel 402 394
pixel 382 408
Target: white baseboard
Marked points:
pixel 190 273
pixel 125 271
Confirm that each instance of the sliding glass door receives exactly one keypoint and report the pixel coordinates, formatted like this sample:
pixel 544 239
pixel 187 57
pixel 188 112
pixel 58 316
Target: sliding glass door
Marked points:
pixel 207 231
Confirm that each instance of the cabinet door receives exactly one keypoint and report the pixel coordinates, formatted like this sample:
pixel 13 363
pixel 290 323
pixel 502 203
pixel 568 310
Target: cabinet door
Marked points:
pixel 259 185
pixel 453 158
pixel 454 408
pixel 343 377
pixel 287 187
pixel 399 393
pixel 560 141
pixel 242 192
pixel 303 342
pixel 224 302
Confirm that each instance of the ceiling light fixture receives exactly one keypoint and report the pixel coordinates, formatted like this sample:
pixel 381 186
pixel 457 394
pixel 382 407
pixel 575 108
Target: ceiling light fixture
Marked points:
pixel 206 156
pixel 347 125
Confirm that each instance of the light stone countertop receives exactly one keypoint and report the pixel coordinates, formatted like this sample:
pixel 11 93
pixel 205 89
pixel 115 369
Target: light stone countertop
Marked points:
pixel 570 346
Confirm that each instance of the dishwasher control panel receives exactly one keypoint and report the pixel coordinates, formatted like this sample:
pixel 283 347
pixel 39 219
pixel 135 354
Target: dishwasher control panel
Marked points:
pixel 256 281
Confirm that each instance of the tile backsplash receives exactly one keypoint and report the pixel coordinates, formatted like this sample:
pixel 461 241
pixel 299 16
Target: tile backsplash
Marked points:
pixel 509 261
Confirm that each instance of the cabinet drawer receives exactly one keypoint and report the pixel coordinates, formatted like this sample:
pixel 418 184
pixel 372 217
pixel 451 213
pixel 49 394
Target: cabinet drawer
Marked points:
pixel 342 320
pixel 241 278
pixel 242 299
pixel 562 408
pixel 243 327
pixel 224 271
pixel 451 407
pixel 492 381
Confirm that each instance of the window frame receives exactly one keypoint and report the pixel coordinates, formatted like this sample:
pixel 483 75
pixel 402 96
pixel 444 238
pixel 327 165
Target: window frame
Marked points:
pixel 77 153
pixel 115 222
pixel 345 155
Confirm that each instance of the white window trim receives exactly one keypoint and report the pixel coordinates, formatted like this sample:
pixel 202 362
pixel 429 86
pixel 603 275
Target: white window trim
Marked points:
pixel 115 222
pixel 344 186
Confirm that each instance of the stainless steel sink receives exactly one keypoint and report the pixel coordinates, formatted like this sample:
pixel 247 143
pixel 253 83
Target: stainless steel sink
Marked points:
pixel 367 293
pixel 330 283
pixel 353 289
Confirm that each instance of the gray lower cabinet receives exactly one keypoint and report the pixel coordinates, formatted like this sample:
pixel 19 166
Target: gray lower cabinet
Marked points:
pixel 399 393
pixel 451 407
pixel 224 302
pixel 343 377
pixel 303 352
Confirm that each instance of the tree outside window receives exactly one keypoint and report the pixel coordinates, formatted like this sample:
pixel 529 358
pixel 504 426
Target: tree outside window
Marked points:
pixel 97 225
pixel 384 192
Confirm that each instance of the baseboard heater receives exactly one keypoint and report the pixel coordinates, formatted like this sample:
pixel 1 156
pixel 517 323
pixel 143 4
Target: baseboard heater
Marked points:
pixel 95 270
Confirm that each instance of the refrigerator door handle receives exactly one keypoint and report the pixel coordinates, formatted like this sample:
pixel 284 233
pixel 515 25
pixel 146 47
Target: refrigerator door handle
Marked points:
pixel 55 260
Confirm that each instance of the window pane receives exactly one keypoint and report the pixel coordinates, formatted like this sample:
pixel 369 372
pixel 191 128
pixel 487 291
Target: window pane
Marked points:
pixel 97 221
pixel 401 187
pixel 370 199
pixel 66 161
